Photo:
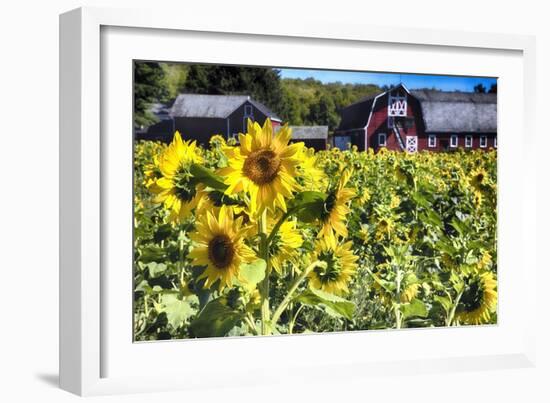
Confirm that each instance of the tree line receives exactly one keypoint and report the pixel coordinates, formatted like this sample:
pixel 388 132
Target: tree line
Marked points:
pixel 296 101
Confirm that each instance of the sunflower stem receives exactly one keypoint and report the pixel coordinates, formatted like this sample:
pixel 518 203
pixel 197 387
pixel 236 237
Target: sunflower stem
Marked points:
pixel 264 249
pixel 286 300
pixel 451 315
pixel 250 322
pixel 294 319
pixel 398 298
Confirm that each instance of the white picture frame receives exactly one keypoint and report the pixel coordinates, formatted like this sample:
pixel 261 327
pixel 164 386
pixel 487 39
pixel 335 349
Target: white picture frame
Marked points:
pixel 89 336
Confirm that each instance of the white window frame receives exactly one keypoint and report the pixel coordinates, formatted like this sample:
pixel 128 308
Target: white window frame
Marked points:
pixel 430 138
pixel 380 143
pixel 453 141
pixel 397 105
pixel 248 110
pixel 483 141
pixel 495 141
pixel 468 142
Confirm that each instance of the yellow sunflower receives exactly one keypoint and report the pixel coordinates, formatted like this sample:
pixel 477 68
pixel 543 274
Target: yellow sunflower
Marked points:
pixel 485 260
pixel 217 141
pixel 341 266
pixel 384 227
pixel 336 209
pixel 478 300
pixel 364 197
pixel 395 202
pixel 174 188
pixel 312 177
pixel 284 244
pixel 409 292
pixel 479 179
pixel 151 172
pixel 219 245
pixel 264 166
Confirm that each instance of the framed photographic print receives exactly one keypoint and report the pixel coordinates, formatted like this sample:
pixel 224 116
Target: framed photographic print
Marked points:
pixel 264 195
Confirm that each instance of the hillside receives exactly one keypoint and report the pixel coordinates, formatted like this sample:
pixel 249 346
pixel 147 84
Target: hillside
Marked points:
pixel 296 101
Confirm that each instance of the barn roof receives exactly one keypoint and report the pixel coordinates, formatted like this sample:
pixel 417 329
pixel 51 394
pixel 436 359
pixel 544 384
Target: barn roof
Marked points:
pixel 213 106
pixel 458 111
pixel 442 111
pixel 309 132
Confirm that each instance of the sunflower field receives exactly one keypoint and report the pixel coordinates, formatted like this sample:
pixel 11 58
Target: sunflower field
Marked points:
pixel 264 236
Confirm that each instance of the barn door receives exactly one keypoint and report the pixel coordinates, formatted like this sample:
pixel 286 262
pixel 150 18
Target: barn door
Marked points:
pixel 412 144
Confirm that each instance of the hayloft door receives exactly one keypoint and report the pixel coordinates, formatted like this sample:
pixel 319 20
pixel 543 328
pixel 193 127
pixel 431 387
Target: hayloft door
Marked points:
pixel 412 144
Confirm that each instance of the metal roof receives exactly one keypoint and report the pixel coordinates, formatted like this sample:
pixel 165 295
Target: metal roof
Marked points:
pixel 213 106
pixel 442 111
pixel 309 132
pixel 458 111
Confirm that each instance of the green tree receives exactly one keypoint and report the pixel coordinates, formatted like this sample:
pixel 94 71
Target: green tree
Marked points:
pixel 261 83
pixel 149 87
pixel 175 77
pixel 480 89
pixel 323 112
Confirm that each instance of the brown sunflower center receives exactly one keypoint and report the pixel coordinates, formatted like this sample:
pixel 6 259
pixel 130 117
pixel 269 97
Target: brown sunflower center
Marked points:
pixel 328 206
pixel 262 166
pixel 472 297
pixel 221 251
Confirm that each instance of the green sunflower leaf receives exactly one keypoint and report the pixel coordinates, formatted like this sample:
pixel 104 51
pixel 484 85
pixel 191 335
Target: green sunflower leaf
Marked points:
pixel 156 269
pixel 178 311
pixel 445 302
pixel 333 305
pixel 251 274
pixel 215 320
pixel 415 308
pixel 308 206
pixel 207 177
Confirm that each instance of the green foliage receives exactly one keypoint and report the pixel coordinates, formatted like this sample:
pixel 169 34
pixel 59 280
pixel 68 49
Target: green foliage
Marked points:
pixel 252 273
pixel 177 310
pixel 308 205
pixel 415 308
pixel 419 224
pixel 310 102
pixel 149 87
pixel 261 83
pixel 333 305
pixel 296 101
pixel 205 176
pixel 215 320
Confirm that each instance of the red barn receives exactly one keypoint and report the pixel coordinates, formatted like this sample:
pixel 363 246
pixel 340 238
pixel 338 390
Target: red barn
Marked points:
pixel 399 119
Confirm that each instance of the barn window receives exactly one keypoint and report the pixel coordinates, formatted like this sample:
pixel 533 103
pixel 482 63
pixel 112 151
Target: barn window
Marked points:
pixel 391 122
pixel 483 141
pixel 495 142
pixel 397 102
pixel 382 139
pixel 454 140
pixel 248 110
pixel 468 142
pixel 432 142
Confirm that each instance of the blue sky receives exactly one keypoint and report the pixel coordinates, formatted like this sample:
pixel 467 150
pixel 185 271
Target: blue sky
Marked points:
pixel 411 81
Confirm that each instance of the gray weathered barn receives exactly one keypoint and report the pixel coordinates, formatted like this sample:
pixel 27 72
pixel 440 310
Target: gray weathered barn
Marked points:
pixel 198 117
pixel 312 136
